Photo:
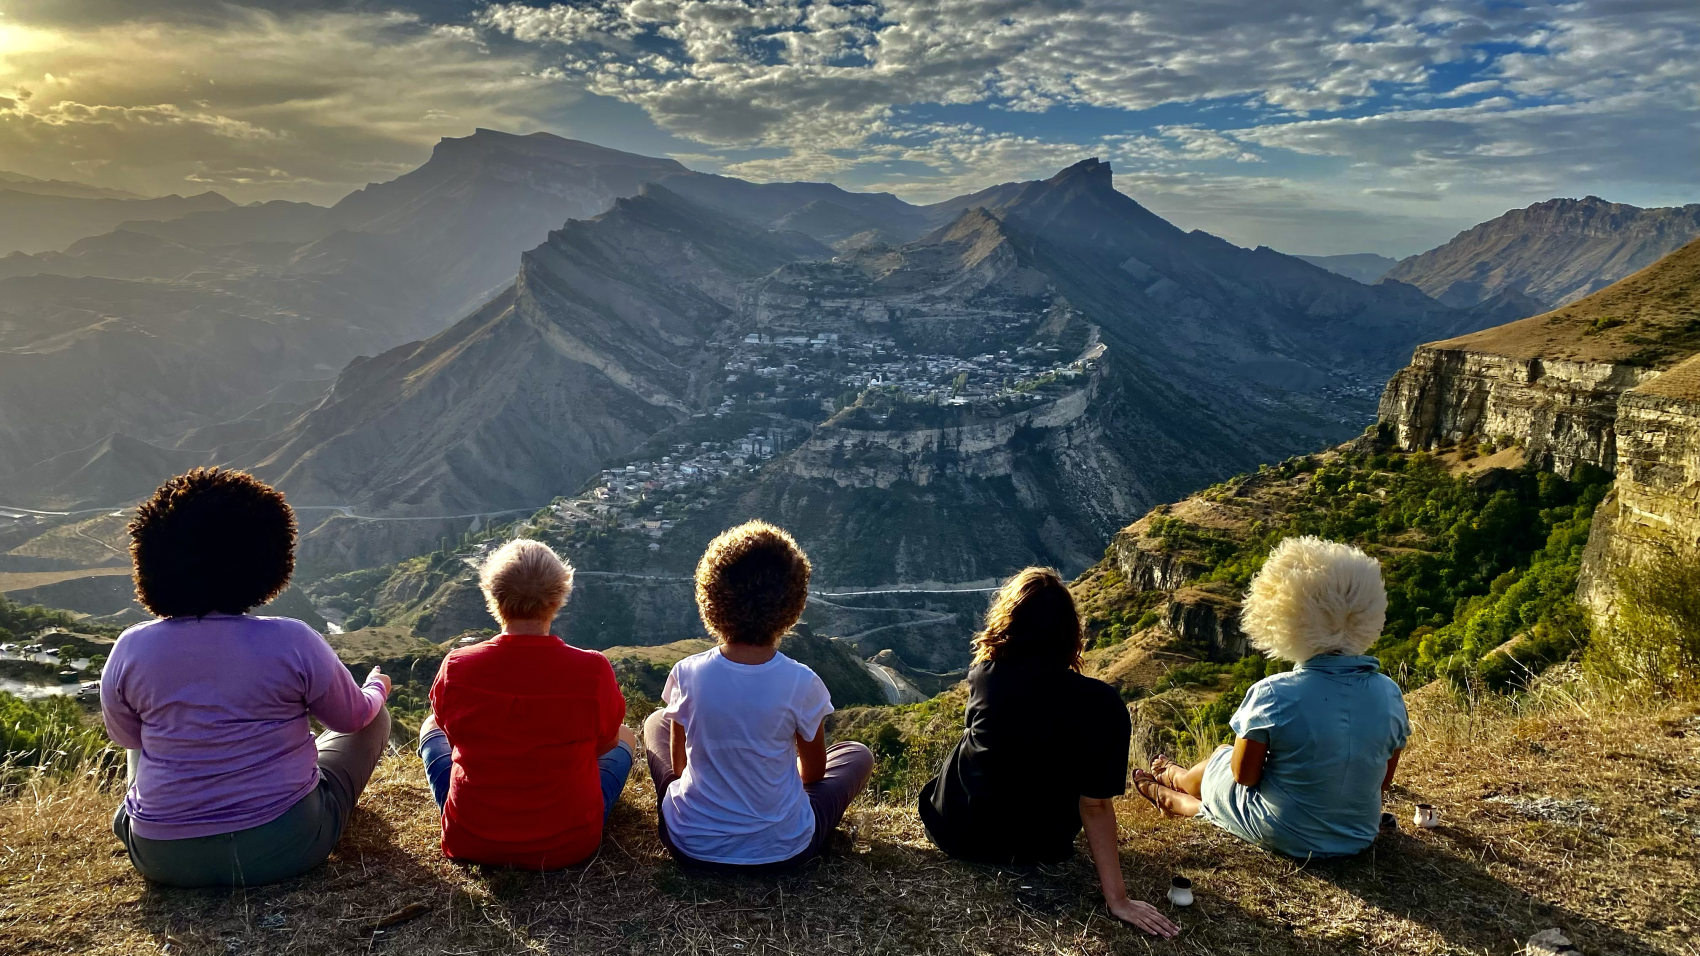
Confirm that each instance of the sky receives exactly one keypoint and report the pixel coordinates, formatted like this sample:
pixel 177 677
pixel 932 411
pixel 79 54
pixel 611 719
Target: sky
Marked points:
pixel 1310 126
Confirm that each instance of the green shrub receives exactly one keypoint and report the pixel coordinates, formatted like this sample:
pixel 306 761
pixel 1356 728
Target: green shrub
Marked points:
pixel 49 735
pixel 1653 637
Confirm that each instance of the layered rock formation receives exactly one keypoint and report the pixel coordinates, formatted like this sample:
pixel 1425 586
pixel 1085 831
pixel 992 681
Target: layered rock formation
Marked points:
pixel 1611 380
pixel 1562 412
pixel 1551 383
pixel 1654 506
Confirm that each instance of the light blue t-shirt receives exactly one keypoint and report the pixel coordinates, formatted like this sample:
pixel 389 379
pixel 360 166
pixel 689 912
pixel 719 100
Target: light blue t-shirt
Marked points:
pixel 1331 725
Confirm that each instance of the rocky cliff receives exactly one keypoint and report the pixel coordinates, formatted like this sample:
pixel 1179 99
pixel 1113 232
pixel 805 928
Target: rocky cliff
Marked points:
pixel 1562 412
pixel 977 446
pixel 1610 380
pixel 1654 506
pixel 1551 383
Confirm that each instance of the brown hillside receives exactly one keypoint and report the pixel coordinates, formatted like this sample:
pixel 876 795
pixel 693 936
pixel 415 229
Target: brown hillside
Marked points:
pixel 1652 318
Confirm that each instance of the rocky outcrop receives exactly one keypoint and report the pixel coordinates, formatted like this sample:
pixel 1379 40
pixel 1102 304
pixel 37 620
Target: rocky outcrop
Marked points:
pixel 1551 382
pixel 1209 621
pixel 1562 412
pixel 977 448
pixel 1654 506
pixel 1148 566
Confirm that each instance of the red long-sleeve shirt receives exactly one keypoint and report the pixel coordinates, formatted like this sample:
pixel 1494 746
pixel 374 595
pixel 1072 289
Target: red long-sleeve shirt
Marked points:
pixel 526 716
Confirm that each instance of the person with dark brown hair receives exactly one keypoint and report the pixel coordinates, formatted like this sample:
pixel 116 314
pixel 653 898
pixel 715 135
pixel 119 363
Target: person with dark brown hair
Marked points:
pixel 1044 752
pixel 744 780
pixel 229 786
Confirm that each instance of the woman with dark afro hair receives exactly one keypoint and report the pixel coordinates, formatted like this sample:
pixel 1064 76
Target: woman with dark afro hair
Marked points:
pixel 229 786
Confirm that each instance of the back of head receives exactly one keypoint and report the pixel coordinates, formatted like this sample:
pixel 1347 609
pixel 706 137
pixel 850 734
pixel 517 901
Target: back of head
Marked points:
pixel 212 541
pixel 1315 597
pixel 752 584
pixel 524 580
pixel 1032 620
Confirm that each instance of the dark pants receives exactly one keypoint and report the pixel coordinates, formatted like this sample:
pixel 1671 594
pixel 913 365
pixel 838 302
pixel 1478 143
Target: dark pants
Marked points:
pixel 614 766
pixel 288 846
pixel 848 767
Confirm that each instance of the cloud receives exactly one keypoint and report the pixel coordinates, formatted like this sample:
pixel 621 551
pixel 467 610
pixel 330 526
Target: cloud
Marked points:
pixel 255 104
pixel 1581 90
pixel 1407 112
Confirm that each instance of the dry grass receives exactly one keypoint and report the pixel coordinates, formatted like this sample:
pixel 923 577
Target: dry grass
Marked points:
pixel 1582 814
pixel 24 580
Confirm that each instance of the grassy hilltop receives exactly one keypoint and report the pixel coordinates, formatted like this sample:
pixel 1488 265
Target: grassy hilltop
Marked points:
pixel 1570 798
pixel 1571 810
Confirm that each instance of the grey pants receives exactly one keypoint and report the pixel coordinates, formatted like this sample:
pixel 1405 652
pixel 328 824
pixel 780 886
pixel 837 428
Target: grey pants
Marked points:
pixel 286 847
pixel 848 767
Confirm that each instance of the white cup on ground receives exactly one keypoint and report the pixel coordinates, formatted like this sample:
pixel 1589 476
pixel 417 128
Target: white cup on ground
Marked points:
pixel 1180 891
pixel 1426 816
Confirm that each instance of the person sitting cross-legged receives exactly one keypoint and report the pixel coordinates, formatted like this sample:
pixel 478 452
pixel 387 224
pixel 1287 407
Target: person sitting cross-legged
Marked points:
pixel 744 779
pixel 1315 746
pixel 1043 752
pixel 229 786
pixel 525 750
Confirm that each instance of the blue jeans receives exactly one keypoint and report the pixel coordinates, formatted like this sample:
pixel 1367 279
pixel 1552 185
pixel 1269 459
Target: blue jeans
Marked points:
pixel 615 766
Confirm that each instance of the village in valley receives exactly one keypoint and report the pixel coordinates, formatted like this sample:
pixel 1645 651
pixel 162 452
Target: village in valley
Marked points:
pixel 770 379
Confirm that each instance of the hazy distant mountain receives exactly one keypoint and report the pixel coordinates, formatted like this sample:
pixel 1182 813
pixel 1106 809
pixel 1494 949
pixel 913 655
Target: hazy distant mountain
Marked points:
pixel 18 182
pixel 42 222
pixel 219 308
pixel 1554 252
pixel 1365 267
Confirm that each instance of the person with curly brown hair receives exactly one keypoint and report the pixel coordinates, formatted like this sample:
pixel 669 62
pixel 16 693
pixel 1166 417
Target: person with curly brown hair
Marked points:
pixel 744 780
pixel 1044 751
pixel 229 787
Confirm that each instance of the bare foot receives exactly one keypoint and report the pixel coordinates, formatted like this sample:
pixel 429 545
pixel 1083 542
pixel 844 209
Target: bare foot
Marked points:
pixel 1166 770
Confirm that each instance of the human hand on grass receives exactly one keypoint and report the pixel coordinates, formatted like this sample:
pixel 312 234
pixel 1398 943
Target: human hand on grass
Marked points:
pixel 1143 916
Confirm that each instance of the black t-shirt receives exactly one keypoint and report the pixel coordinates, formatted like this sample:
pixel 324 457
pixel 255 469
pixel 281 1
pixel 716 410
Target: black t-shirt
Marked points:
pixel 1037 740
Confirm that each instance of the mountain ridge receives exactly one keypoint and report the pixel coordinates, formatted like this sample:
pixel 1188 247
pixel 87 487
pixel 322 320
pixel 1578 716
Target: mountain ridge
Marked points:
pixel 1555 251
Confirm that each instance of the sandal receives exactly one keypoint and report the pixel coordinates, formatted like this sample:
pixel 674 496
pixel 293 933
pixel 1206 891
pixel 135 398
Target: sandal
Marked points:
pixel 1143 779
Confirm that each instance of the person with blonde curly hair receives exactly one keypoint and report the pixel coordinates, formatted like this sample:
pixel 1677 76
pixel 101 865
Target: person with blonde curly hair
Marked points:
pixel 526 750
pixel 1314 747
pixel 744 779
pixel 1043 754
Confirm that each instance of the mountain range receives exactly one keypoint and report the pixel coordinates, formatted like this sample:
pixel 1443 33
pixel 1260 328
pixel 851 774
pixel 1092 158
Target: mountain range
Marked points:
pixel 1204 359
pixel 487 332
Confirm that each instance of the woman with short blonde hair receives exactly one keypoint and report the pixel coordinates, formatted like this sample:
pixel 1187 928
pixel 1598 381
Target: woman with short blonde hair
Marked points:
pixel 1316 746
pixel 525 751
pixel 1044 751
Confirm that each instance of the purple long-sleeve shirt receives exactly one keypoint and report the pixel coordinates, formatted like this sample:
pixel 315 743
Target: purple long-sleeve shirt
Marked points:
pixel 218 708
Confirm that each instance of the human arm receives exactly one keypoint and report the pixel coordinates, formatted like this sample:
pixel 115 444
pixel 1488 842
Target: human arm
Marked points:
pixel 123 724
pixel 811 756
pixel 676 744
pixel 1248 760
pixel 1392 768
pixel 332 695
pixel 1098 815
pixel 609 734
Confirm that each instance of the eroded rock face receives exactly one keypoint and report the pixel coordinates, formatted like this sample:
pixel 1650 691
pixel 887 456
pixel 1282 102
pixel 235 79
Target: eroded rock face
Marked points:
pixel 1147 566
pixel 1208 620
pixel 1563 412
pixel 979 448
pixel 1654 507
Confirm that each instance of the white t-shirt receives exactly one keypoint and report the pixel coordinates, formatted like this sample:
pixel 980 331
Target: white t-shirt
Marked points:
pixel 740 799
